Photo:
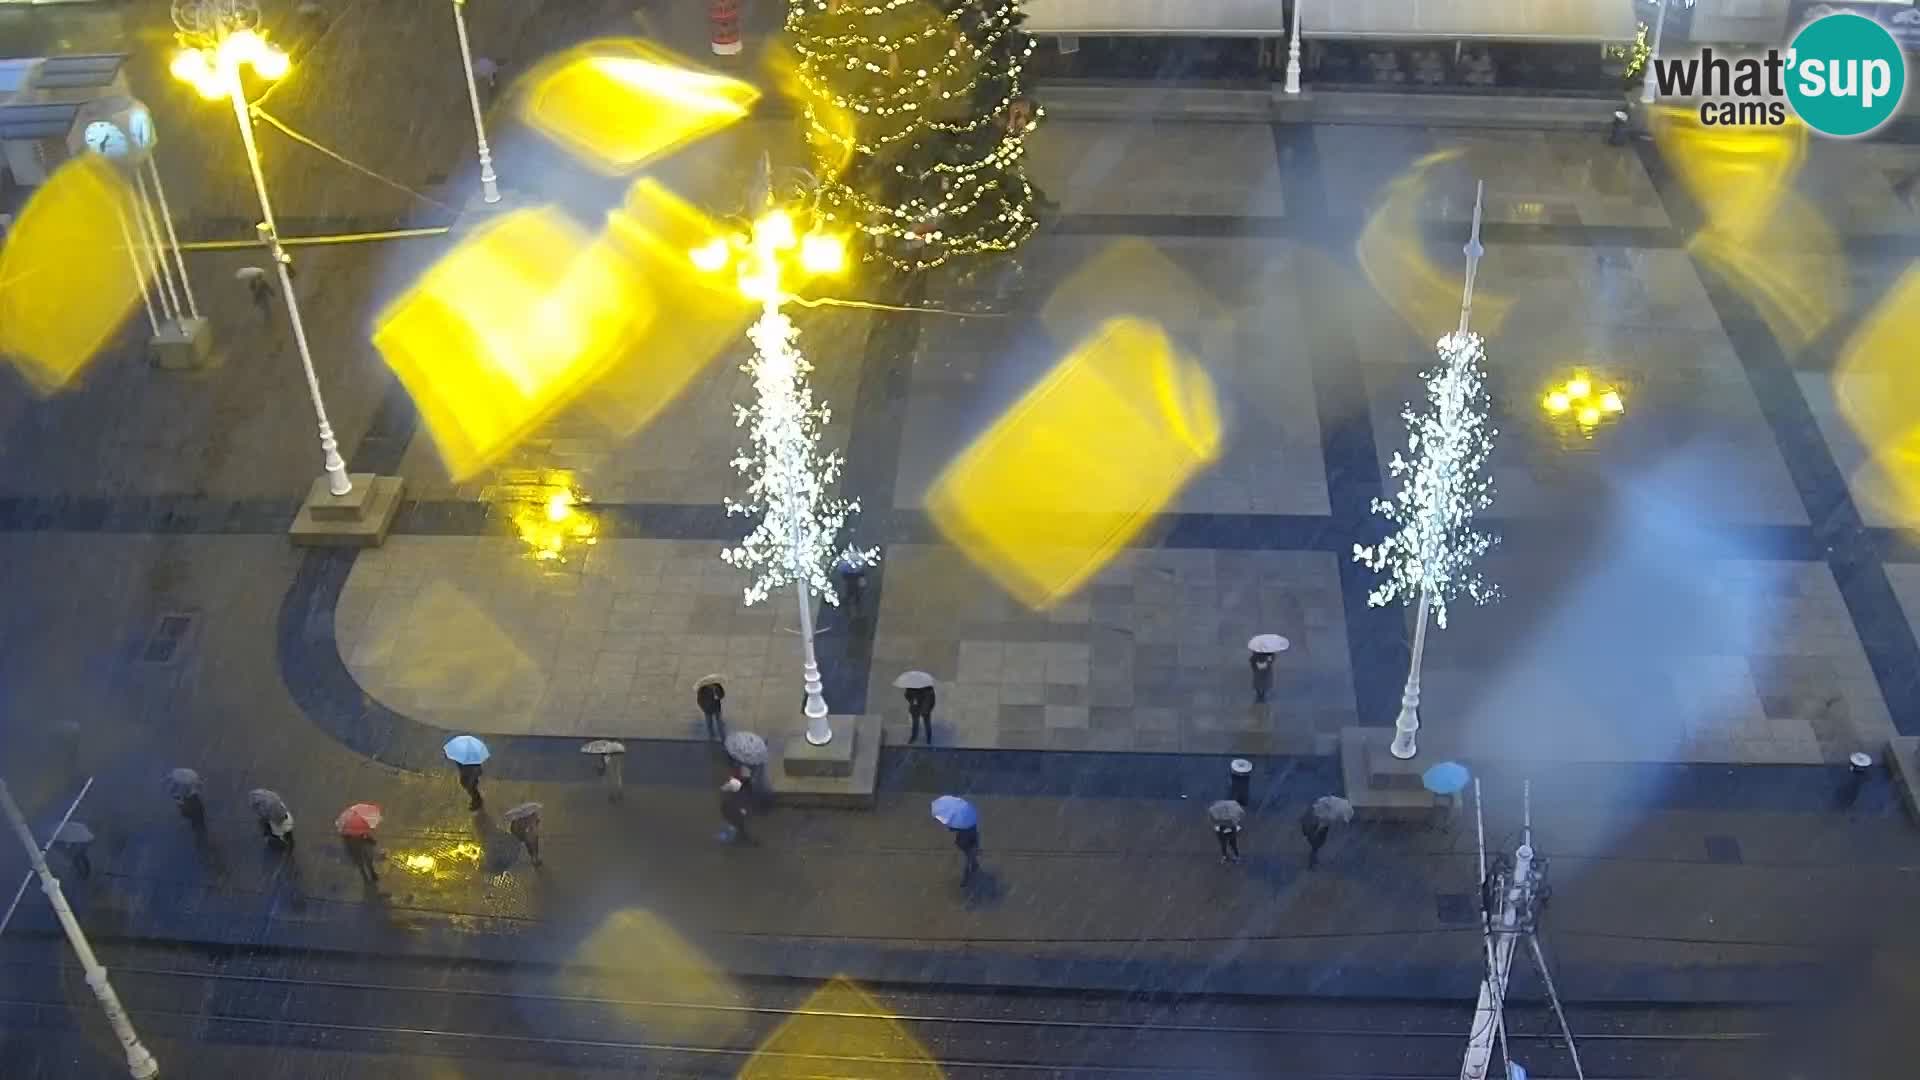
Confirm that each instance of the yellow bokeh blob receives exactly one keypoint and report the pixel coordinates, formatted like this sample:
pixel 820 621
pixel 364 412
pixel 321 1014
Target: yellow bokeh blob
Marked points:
pixel 618 103
pixel 509 328
pixel 1877 387
pixel 1395 262
pixel 1080 464
pixel 67 278
pixel 841 1030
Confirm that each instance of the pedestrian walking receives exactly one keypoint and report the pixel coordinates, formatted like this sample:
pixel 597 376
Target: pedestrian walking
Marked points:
pixel 467 753
pixel 960 818
pixel 523 822
pixel 1260 653
pixel 363 854
pixel 355 826
pixel 1226 816
pixel 184 786
pixel 1315 830
pixel 708 693
pixel 734 797
pixel 261 290
pixel 920 708
pixel 276 821
pixel 611 755
pixel 72 841
pixel 851 576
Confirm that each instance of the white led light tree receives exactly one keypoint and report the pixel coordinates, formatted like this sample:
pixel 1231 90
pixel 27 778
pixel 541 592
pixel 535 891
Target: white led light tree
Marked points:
pixel 1428 558
pixel 796 540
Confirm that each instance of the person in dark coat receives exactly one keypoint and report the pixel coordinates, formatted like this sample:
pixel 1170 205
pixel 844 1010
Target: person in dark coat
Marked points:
pixel 470 779
pixel 67 842
pixel 262 292
pixel 1315 830
pixel 1227 833
pixel 853 584
pixel 1262 665
pixel 968 841
pixel 734 798
pixel 920 701
pixel 194 810
pixel 527 831
pixel 708 696
pixel 361 852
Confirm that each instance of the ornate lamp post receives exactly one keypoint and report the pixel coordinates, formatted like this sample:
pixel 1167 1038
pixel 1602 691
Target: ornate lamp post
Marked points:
pixel 489 183
pixel 794 542
pixel 1293 52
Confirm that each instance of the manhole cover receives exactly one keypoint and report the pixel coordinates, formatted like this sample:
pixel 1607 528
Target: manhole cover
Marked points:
pixel 168 639
pixel 1723 849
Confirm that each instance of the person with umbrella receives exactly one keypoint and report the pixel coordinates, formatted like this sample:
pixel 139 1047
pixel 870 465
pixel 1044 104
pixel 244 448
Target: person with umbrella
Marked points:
pixel 72 840
pixel 918 687
pixel 611 753
pixel 1447 780
pixel 1260 653
pixel 259 289
pixel 708 693
pixel 523 822
pixel 734 796
pixel 748 753
pixel 960 818
pixel 467 753
pixel 1226 816
pixel 355 825
pixel 276 821
pixel 1318 820
pixel 852 576
pixel 184 786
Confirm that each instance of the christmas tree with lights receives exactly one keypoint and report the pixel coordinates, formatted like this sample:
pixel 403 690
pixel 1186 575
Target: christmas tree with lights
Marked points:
pixel 915 118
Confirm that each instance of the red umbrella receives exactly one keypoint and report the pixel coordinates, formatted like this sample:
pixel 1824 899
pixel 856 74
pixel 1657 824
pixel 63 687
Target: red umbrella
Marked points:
pixel 360 819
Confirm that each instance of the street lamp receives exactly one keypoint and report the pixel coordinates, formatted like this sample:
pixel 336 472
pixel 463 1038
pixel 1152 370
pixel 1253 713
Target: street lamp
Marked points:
pixel 489 183
pixel 799 526
pixel 213 69
pixel 1293 52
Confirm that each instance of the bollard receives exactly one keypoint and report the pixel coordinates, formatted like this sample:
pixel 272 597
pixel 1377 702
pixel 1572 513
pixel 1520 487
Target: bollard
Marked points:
pixel 1617 134
pixel 1240 781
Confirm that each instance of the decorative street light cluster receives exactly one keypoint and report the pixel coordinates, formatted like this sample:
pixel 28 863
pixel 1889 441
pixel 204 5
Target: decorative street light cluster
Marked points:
pixel 795 541
pixel 1584 401
pixel 1429 557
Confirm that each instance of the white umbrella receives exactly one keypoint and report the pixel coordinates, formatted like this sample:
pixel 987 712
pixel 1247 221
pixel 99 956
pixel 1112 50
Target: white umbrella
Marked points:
pixel 913 680
pixel 1332 808
pixel 1268 643
pixel 704 680
pixel 1227 812
pixel 248 273
pixel 604 746
pixel 746 748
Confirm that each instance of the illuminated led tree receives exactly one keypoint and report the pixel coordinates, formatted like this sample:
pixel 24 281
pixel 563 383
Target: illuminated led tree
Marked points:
pixel 1429 556
pixel 916 122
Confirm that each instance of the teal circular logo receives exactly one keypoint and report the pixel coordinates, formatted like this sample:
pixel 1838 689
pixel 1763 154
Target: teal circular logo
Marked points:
pixel 1845 75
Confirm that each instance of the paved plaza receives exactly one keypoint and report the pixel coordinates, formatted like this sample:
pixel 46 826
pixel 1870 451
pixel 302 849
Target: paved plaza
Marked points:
pixel 1665 599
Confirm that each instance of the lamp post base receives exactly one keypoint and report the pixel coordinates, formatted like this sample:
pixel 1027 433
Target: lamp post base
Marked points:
pixel 183 344
pixel 844 773
pixel 360 518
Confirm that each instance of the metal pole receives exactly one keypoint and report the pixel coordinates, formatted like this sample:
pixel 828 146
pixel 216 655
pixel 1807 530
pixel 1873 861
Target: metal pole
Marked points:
pixel 337 481
pixel 819 731
pixel 139 274
pixel 489 183
pixel 1293 52
pixel 166 215
pixel 1553 996
pixel 64 818
pixel 1408 722
pixel 1653 51
pixel 1473 252
pixel 154 245
pixel 140 1064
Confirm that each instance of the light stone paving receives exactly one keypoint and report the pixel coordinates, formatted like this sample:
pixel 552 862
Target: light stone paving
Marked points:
pixel 1151 656
pixel 1532 177
pixel 969 372
pixel 1225 169
pixel 1691 417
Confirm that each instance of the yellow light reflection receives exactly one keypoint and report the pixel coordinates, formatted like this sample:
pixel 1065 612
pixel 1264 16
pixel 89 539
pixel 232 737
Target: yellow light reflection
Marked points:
pixel 1876 385
pixel 640 946
pixel 1586 401
pixel 841 1027
pixel 1133 279
pixel 1395 261
pixel 1763 237
pixel 509 328
pixel 1081 463
pixel 618 103
pixel 67 280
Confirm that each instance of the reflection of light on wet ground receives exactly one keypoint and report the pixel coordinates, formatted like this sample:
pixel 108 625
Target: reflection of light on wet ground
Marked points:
pixel 1877 386
pixel 633 954
pixel 1079 465
pixel 1767 240
pixel 618 103
pixel 66 279
pixel 1391 255
pixel 1585 402
pixel 545 509
pixel 441 861
pixel 840 1022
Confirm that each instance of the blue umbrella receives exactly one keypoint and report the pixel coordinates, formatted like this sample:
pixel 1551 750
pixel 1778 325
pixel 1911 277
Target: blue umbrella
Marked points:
pixel 955 812
pixel 1446 778
pixel 466 750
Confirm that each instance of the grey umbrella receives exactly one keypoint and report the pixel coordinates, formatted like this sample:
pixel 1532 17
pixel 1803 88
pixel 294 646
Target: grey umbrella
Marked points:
pixel 182 783
pixel 268 804
pixel 604 746
pixel 73 833
pixel 1332 809
pixel 1227 812
pixel 524 810
pixel 747 748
